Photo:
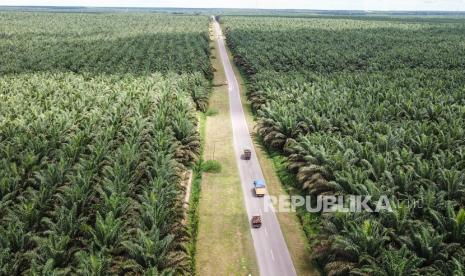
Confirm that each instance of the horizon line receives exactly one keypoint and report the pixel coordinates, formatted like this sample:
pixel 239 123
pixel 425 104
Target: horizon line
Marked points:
pixel 219 8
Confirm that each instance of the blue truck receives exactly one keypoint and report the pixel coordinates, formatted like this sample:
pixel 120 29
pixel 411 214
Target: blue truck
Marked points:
pixel 259 185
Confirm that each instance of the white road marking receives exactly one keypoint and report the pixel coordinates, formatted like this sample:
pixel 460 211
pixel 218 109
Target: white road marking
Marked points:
pixel 266 232
pixel 272 255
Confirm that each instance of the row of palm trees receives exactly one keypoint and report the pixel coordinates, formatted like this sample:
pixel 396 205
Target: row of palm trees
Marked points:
pixel 401 159
pixel 365 127
pixel 102 43
pixel 91 175
pixel 331 45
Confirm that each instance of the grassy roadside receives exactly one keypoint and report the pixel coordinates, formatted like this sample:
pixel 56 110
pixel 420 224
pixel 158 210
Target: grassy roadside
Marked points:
pixel 193 212
pixel 224 243
pixel 275 176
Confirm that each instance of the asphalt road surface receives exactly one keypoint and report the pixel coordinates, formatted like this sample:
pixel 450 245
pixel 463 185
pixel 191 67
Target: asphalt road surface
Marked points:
pixel 270 248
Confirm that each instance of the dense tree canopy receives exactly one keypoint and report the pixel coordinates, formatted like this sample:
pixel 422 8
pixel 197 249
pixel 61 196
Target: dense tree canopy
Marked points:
pixel 104 43
pixel 367 107
pixel 97 126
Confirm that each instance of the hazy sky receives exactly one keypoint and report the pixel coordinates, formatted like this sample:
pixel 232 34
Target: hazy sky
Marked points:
pixel 449 5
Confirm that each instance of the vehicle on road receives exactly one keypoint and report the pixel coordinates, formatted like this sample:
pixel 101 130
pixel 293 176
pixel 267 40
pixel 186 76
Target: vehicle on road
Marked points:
pixel 256 221
pixel 259 185
pixel 247 154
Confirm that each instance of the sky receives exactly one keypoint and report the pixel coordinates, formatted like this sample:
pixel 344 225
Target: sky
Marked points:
pixel 385 5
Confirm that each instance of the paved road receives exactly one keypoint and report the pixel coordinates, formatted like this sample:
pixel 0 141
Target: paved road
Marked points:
pixel 270 248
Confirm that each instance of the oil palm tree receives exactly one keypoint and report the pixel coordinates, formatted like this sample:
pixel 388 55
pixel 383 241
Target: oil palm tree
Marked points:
pixel 93 264
pixel 392 263
pixel 426 243
pixel 276 126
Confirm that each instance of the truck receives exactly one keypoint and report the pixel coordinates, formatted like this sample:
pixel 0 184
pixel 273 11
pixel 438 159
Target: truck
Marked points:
pixel 259 186
pixel 256 221
pixel 247 154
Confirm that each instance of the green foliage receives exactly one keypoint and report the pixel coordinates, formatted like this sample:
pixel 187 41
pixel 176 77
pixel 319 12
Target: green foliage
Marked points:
pixel 105 164
pixel 211 166
pixel 97 125
pixel 104 43
pixel 193 214
pixel 366 107
pixel 211 112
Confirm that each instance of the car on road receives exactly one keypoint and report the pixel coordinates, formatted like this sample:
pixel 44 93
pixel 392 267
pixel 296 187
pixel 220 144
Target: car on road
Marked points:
pixel 247 154
pixel 256 221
